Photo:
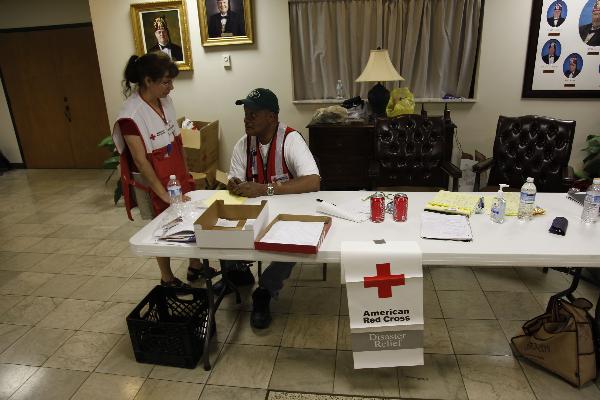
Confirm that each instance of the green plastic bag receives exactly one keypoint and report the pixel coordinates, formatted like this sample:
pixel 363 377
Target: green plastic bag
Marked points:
pixel 401 102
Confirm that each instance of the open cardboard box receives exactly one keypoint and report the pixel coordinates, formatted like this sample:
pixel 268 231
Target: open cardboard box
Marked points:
pixel 211 236
pixel 294 248
pixel 202 150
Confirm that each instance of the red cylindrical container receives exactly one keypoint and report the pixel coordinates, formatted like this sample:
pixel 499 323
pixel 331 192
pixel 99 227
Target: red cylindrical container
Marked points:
pixel 377 207
pixel 400 207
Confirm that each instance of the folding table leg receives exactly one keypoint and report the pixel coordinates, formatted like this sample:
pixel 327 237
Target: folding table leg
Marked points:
pixel 324 271
pixel 210 317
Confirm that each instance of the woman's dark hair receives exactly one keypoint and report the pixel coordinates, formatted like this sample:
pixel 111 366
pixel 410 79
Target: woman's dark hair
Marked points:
pixel 154 65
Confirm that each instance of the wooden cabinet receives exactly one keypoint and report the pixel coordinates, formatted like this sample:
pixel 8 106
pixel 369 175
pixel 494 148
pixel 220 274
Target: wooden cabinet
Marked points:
pixel 343 152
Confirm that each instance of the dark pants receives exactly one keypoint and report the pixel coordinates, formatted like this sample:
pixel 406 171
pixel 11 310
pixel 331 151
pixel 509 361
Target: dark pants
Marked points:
pixel 272 277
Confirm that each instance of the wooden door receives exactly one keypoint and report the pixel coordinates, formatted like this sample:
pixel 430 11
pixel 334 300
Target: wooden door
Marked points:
pixel 55 95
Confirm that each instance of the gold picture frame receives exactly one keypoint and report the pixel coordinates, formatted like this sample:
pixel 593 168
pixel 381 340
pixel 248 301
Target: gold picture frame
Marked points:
pixel 151 20
pixel 235 27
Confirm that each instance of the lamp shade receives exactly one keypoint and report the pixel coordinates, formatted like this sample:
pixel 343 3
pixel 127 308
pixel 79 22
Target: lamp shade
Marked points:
pixel 379 68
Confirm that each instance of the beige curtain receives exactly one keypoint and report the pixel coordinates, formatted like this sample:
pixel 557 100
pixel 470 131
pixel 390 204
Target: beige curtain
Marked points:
pixel 432 43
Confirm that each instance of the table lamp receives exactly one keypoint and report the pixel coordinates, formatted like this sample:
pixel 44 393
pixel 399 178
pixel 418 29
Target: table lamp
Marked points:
pixel 379 69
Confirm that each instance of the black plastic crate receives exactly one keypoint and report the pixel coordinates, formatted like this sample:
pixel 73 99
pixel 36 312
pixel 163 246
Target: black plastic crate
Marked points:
pixel 169 327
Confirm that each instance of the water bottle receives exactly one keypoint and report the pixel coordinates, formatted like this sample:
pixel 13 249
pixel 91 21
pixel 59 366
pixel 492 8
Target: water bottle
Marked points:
pixel 591 204
pixel 339 90
pixel 174 189
pixel 527 201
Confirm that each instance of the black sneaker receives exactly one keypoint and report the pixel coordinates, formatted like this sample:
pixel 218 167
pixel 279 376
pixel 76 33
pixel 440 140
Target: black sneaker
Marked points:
pixel 175 283
pixel 239 275
pixel 261 314
pixel 194 273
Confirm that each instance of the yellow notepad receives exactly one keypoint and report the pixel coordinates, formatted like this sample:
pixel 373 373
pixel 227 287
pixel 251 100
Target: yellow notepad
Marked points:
pixel 453 202
pixel 227 198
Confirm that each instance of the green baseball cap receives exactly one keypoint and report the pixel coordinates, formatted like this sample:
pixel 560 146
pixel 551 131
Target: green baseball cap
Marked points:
pixel 260 99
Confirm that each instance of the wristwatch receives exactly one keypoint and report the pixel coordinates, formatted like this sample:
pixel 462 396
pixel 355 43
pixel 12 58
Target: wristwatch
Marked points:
pixel 270 189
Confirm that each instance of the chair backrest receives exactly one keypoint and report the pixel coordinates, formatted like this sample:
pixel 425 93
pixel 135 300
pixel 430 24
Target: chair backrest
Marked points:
pixel 411 148
pixel 534 146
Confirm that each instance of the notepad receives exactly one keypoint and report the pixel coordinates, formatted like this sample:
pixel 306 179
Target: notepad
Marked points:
pixel 453 203
pixel 445 227
pixel 227 198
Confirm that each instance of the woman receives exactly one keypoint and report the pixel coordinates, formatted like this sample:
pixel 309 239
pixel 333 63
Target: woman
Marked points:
pixel 147 137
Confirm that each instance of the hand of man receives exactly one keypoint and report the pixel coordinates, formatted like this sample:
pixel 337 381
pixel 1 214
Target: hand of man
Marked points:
pixel 232 185
pixel 251 189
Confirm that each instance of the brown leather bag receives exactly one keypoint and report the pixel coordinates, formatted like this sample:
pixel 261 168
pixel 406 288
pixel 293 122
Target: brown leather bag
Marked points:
pixel 561 341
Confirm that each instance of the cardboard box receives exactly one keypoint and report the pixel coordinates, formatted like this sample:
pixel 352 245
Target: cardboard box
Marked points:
pixel 202 148
pixel 294 248
pixel 211 236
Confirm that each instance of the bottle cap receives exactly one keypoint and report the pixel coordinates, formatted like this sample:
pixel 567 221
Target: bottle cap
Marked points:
pixel 172 177
pixel 530 179
pixel 596 181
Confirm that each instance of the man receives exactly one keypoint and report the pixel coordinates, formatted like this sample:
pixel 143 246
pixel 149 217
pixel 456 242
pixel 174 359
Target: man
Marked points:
pixel 271 159
pixel 225 22
pixel 556 19
pixel 572 72
pixel 590 33
pixel 164 44
pixel 551 57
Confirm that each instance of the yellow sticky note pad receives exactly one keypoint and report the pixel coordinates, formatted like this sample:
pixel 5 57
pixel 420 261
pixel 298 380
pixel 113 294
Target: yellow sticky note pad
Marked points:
pixel 227 198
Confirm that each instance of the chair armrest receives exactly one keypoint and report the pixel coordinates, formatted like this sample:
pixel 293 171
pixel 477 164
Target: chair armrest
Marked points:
pixel 568 177
pixel 453 171
pixel 483 165
pixel 374 169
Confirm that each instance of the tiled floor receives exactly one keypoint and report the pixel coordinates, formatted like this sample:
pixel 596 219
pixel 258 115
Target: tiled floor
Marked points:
pixel 67 281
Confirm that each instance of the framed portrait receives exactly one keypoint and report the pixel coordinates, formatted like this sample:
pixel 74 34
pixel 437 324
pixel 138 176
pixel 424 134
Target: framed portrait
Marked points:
pixel 162 26
pixel 225 22
pixel 563 53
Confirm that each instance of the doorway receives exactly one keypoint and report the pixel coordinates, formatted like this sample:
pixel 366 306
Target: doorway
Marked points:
pixel 52 82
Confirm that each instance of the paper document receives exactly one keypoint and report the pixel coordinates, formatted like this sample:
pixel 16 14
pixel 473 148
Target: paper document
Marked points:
pixel 294 232
pixel 453 202
pixel 445 227
pixel 350 211
pixel 227 223
pixel 227 198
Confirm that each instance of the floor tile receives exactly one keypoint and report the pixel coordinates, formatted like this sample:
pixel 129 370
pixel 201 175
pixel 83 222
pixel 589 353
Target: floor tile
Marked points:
pixel 538 281
pixel 454 278
pixel 244 366
pixel 149 268
pixel 310 331
pixel 110 318
pixel 99 288
pixel 431 305
pixel 473 336
pixel 54 263
pixel 30 310
pixel 312 275
pixel 77 246
pixel 465 305
pixel 344 341
pixel 438 378
pixel 22 262
pixel 36 229
pixel 514 305
pixel 87 265
pixel 344 302
pixel 108 248
pixel 499 280
pixel 71 314
pixel 84 232
pixel 10 333
pixel 225 320
pixel 548 386
pixel 48 245
pixel 7 301
pixel 228 393
pixel 25 283
pixel 121 361
pixel 498 377
pixel 316 301
pixel 134 290
pixel 109 387
pixel 19 244
pixel 437 339
pixel 36 346
pixel 123 267
pixel 511 328
pixel 195 375
pixel 12 377
pixel 154 389
pixel 83 351
pixel 366 382
pixel 296 370
pixel 244 333
pixel 51 384
pixel 61 285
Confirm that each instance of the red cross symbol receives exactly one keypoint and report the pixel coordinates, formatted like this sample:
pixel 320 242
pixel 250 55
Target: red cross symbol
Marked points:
pixel 153 136
pixel 384 281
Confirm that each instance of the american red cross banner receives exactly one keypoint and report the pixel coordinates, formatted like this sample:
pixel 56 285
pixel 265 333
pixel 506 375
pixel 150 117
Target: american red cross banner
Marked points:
pixel 385 299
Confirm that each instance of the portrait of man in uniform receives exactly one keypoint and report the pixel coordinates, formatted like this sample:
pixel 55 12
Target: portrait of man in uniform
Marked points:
pixel 162 33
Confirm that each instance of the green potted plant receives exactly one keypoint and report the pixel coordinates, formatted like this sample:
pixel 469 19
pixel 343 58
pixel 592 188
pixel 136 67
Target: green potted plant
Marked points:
pixel 112 162
pixel 591 163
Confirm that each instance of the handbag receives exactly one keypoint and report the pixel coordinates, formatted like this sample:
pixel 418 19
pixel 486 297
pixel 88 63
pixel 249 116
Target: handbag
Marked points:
pixel 561 340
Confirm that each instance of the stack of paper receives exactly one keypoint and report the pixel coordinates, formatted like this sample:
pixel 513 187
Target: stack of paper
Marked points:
pixel 354 211
pixel 445 227
pixel 294 232
pixel 453 202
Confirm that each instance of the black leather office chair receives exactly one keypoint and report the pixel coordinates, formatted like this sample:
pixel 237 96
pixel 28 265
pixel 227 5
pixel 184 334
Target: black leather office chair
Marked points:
pixel 529 146
pixel 412 153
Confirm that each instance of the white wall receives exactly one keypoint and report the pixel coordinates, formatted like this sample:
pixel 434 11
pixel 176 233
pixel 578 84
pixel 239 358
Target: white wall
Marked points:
pixel 28 13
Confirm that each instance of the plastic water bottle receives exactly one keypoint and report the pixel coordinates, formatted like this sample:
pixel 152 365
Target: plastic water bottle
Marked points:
pixel 527 201
pixel 174 189
pixel 339 90
pixel 591 204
